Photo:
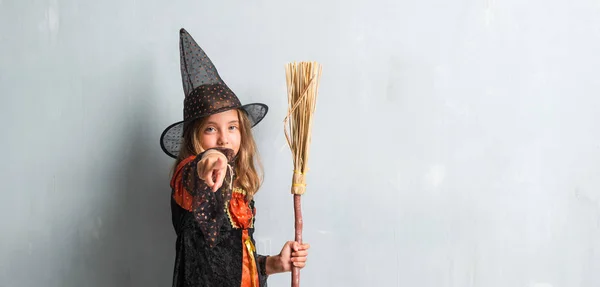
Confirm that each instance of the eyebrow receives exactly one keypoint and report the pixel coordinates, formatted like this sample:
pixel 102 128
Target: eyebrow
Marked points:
pixel 213 123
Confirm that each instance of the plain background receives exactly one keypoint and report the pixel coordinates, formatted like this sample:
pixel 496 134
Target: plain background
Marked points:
pixel 456 143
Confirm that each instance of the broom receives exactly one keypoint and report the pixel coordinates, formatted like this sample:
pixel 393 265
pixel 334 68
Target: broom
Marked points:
pixel 302 86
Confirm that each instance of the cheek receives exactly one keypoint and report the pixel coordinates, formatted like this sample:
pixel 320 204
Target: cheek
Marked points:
pixel 236 139
pixel 208 141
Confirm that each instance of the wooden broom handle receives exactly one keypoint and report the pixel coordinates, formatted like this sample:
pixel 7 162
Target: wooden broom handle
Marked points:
pixel 298 227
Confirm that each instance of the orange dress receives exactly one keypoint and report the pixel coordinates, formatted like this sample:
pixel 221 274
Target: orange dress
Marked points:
pixel 242 216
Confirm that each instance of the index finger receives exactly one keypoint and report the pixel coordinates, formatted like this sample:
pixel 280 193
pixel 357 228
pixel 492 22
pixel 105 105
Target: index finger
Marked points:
pixel 305 246
pixel 219 163
pixel 209 179
pixel 218 180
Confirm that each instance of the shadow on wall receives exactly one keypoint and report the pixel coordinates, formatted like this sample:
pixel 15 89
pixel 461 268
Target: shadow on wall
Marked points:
pixel 126 238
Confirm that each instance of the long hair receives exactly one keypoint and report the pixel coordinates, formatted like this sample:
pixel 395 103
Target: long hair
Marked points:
pixel 247 164
pixel 248 168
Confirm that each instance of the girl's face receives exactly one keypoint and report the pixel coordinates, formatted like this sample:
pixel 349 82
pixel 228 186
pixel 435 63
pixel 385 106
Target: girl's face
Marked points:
pixel 221 130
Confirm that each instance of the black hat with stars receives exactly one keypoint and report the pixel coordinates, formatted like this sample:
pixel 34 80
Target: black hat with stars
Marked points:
pixel 205 94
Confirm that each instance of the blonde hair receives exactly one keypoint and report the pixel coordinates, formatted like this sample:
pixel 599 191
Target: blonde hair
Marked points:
pixel 248 168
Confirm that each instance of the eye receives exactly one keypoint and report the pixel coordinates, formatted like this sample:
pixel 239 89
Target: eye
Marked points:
pixel 232 128
pixel 209 130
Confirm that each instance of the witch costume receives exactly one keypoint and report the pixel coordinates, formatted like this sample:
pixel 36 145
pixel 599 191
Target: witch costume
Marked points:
pixel 215 244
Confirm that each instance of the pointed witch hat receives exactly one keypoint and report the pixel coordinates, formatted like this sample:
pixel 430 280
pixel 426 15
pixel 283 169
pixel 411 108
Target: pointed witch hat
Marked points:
pixel 205 94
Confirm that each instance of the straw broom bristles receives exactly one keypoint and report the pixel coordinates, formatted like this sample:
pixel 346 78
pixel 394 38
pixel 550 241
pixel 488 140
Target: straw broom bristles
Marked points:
pixel 302 82
pixel 302 87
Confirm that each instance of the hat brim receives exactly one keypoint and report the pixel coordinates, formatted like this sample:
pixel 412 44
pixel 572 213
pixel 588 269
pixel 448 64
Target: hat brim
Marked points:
pixel 172 137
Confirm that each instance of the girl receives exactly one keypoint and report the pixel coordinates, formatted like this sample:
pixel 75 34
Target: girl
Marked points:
pixel 214 182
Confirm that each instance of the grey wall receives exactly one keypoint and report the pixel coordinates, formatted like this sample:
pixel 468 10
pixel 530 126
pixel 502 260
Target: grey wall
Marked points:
pixel 456 143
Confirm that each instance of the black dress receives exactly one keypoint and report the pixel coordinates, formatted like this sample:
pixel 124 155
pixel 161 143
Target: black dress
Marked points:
pixel 210 245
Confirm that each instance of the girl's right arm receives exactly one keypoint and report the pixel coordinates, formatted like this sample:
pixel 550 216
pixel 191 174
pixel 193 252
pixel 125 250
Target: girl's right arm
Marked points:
pixel 198 178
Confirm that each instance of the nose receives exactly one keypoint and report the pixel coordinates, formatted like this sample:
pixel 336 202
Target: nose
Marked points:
pixel 222 140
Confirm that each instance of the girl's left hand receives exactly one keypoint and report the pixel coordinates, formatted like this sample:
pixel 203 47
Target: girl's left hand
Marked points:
pixel 293 254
